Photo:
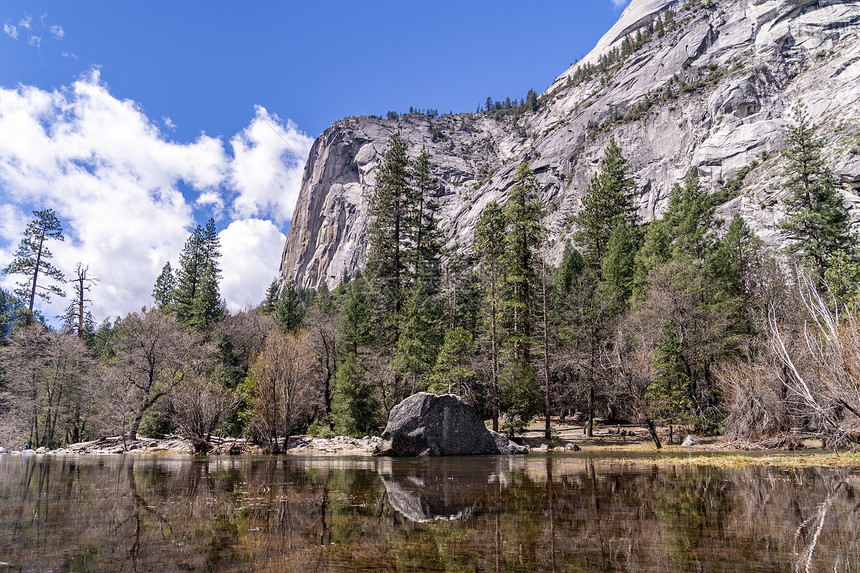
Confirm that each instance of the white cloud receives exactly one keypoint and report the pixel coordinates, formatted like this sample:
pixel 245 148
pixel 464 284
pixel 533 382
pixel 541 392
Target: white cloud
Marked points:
pixel 168 123
pixel 620 3
pixel 26 22
pixel 267 170
pixel 57 32
pixel 127 195
pixel 35 41
pixel 69 55
pixel 10 31
pixel 250 260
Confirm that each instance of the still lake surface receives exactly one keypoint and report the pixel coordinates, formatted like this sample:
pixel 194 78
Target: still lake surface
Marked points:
pixel 553 512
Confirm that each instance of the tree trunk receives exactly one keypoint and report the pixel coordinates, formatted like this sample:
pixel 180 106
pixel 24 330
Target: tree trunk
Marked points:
pixel 35 277
pixel 590 431
pixel 653 432
pixel 495 349
pixel 547 429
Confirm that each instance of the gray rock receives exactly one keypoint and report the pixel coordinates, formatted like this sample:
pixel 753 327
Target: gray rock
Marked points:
pixel 771 54
pixel 690 441
pixel 425 424
pixel 572 448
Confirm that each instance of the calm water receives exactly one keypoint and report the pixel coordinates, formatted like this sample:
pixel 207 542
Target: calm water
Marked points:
pixel 533 513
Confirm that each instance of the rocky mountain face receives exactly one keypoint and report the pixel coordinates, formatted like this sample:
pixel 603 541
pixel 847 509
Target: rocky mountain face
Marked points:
pixel 707 84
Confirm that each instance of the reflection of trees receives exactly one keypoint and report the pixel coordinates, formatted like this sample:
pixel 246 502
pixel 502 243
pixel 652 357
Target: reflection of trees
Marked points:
pixel 534 513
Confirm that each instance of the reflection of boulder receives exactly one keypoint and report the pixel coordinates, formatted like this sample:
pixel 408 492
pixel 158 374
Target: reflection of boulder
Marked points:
pixel 434 489
pixel 428 425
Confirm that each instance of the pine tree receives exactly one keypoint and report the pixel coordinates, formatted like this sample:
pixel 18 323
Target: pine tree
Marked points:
pixel 288 310
pixel 420 337
pixel 423 231
pixel 670 393
pixel 570 267
pixel 33 258
pixel 273 294
pixel 608 203
pixel 531 102
pixel 817 223
pixel 208 307
pixel 690 220
pixel 195 296
pixel 162 293
pixel 356 410
pixel 386 264
pixel 656 250
pixel 354 318
pixel 453 372
pixel 10 309
pixel 490 244
pixel 617 269
pixel 524 237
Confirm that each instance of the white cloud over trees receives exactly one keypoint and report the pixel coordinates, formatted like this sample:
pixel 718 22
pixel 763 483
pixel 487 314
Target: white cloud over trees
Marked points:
pixel 128 196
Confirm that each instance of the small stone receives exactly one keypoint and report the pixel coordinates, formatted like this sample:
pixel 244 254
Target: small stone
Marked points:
pixel 690 441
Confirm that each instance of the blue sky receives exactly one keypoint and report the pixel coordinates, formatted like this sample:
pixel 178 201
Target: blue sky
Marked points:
pixel 137 120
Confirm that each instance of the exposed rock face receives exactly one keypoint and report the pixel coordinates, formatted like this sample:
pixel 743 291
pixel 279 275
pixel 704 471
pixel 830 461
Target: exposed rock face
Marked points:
pixel 733 71
pixel 425 424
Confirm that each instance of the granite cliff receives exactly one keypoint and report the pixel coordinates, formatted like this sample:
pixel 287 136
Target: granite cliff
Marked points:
pixel 701 83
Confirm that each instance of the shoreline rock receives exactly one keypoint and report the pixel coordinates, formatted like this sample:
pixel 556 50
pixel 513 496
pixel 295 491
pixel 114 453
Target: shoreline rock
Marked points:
pixel 425 424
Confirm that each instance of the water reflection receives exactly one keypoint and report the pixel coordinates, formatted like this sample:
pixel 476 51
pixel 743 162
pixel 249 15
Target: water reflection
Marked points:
pixel 530 513
pixel 427 490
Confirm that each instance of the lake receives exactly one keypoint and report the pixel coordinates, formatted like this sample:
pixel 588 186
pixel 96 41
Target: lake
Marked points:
pixel 554 512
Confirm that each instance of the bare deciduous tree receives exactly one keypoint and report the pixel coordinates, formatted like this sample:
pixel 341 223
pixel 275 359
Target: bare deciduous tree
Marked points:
pixel 46 372
pixel 323 332
pixel 200 405
pixel 154 354
pixel 283 393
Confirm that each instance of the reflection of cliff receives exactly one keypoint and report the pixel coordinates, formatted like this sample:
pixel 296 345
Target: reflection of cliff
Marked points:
pixel 424 490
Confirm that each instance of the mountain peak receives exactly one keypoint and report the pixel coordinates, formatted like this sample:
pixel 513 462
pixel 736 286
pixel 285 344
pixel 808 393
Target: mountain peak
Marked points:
pixel 709 89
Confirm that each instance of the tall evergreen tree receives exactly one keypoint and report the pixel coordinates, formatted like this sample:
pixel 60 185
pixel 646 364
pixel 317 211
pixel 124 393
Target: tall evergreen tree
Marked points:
pixel 195 297
pixel 33 259
pixel 208 307
pixel 817 222
pixel 9 311
pixel 356 410
pixel 162 292
pixel 288 310
pixel 386 264
pixel 608 203
pixel 420 337
pixel 490 244
pixel 524 237
pixel 531 103
pixel 273 294
pixel 690 220
pixel 570 267
pixel 354 318
pixel 423 230
pixel 617 269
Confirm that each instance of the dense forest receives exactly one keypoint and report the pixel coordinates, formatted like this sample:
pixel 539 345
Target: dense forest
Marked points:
pixel 684 321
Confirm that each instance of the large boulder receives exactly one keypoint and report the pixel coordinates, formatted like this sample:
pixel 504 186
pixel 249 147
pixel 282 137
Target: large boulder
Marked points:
pixel 425 424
